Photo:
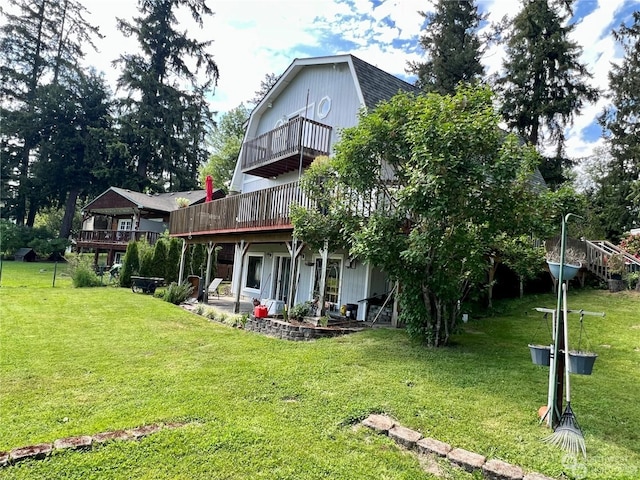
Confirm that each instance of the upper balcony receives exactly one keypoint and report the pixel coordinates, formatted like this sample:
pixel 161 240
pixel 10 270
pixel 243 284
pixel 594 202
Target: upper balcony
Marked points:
pixel 285 148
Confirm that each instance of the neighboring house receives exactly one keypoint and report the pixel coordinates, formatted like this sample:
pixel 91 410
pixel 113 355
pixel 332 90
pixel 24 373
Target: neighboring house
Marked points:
pixel 299 119
pixel 118 216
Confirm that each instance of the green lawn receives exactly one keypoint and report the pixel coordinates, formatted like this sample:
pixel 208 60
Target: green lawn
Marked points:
pixel 83 361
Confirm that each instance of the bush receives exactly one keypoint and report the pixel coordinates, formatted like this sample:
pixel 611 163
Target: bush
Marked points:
pixel 300 310
pixel 82 272
pixel 130 265
pixel 177 294
pixel 173 261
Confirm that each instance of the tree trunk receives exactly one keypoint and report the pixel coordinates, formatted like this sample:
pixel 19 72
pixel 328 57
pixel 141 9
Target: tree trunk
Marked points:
pixel 69 212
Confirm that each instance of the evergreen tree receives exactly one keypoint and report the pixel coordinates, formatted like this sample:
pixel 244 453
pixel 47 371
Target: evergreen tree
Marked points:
pixel 266 83
pixel 130 264
pixel 617 200
pixel 452 46
pixel 163 121
pixel 173 261
pixel 544 84
pixel 72 122
pixel 159 258
pixel 226 141
pixel 41 43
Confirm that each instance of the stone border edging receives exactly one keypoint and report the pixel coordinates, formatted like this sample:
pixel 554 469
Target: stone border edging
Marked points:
pixel 492 469
pixel 82 442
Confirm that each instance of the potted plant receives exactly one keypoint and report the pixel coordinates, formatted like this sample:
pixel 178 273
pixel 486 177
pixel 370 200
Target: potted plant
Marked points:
pixel 616 268
pixel 581 362
pixel 573 260
pixel 540 354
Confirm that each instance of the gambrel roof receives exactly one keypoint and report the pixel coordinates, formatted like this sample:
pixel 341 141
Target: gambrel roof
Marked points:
pixel 372 84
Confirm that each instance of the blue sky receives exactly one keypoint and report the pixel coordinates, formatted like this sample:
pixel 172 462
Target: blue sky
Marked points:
pixel 256 37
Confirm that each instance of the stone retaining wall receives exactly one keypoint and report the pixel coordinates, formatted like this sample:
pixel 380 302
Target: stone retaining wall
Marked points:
pixel 288 331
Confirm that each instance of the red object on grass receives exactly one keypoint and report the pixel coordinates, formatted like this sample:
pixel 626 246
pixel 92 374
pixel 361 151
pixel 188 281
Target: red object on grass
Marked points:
pixel 209 182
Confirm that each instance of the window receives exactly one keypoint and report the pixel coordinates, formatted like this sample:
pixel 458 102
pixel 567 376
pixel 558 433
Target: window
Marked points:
pixel 254 272
pixel 124 224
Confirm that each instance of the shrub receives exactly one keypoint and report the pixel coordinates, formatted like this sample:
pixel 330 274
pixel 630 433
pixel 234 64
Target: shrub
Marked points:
pixel 82 272
pixel 159 259
pixel 177 294
pixel 173 261
pixel 300 310
pixel 130 265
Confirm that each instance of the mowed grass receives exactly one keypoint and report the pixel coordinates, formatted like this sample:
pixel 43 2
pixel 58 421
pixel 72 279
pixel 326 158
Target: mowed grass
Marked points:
pixel 83 361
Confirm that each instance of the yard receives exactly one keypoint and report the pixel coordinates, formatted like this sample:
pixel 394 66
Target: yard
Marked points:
pixel 83 361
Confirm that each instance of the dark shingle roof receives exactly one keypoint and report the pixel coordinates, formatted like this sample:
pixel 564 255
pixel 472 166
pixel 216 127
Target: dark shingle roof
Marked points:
pixel 164 202
pixel 377 85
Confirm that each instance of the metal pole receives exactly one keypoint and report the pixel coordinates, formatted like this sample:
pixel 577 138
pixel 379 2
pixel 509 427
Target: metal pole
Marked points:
pixel 55 269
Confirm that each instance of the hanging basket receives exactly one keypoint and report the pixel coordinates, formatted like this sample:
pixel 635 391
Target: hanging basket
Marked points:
pixel 581 363
pixel 540 354
pixel 568 271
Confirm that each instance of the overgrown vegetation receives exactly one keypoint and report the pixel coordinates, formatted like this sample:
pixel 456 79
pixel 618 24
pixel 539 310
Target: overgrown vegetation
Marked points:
pixel 82 272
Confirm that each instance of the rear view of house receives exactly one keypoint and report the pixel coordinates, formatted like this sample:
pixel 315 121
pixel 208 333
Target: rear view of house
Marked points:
pixel 300 118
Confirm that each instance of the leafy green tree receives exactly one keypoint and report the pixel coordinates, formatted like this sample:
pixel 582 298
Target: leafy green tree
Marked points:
pixel 130 264
pixel 165 116
pixel 618 197
pixel 452 45
pixel 423 187
pixel 544 84
pixel 226 141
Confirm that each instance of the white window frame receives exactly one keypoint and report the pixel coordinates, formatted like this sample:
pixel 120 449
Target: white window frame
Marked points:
pixel 125 224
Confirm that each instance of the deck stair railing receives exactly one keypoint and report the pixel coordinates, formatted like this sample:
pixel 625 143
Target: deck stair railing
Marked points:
pixel 598 254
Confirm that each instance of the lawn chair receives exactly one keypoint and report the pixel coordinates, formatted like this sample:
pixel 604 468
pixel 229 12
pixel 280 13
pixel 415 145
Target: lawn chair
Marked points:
pixel 213 288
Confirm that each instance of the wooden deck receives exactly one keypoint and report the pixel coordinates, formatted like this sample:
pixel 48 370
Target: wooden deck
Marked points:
pixel 114 238
pixel 265 210
pixel 286 148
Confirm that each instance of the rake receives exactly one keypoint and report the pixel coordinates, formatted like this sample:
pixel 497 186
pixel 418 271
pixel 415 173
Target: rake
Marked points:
pixel 567 434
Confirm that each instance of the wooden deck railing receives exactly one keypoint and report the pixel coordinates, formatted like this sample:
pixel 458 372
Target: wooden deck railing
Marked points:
pixel 116 237
pixel 598 254
pixel 298 135
pixel 260 210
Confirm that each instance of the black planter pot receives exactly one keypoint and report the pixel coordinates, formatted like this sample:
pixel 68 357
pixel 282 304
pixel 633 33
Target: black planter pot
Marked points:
pixel 540 354
pixel 581 363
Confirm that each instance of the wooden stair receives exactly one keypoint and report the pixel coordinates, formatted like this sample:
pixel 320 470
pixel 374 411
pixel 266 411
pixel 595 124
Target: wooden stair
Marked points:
pixel 599 251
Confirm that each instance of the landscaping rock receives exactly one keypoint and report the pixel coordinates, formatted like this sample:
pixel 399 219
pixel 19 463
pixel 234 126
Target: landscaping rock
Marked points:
pixel 140 432
pixel 405 436
pixel 469 461
pixel 433 446
pixel 109 436
pixel 73 443
pixel 536 476
pixel 499 470
pixel 379 423
pixel 34 452
pixel 4 459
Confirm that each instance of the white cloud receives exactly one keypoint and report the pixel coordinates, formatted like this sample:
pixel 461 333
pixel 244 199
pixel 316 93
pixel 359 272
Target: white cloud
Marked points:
pixel 256 37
